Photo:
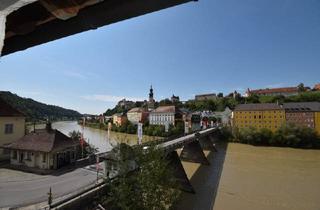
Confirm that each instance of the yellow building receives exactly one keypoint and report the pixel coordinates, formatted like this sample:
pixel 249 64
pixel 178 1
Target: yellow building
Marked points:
pixel 270 116
pixel 12 126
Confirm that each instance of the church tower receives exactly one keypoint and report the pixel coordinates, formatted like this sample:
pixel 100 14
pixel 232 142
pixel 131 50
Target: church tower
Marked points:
pixel 151 101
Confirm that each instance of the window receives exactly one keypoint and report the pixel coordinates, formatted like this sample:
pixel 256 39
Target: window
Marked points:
pixel 44 157
pixel 72 155
pixel 28 156
pixel 8 128
pixel 15 155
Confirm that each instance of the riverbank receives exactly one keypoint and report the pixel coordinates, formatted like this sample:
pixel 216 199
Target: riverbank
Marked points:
pixel 122 137
pixel 255 178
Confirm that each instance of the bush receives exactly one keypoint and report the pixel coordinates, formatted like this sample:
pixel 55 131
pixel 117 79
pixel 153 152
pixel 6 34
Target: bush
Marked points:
pixel 286 136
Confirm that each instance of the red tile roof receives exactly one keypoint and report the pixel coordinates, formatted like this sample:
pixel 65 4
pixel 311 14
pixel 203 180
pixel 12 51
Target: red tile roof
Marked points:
pixel 275 90
pixel 8 111
pixel 258 107
pixel 136 109
pixel 165 109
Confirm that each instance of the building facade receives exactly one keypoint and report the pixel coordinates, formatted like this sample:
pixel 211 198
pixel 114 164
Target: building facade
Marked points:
pixel 119 119
pixel 286 91
pixel 270 116
pixel 225 116
pixel 12 127
pixel 163 115
pixel 317 121
pixel 43 149
pixel 273 116
pixel 138 114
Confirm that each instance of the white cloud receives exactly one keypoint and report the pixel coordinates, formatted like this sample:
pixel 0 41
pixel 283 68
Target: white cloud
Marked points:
pixel 109 98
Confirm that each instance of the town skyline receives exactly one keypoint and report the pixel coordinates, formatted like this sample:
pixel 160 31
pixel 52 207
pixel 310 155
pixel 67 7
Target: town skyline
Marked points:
pixel 251 45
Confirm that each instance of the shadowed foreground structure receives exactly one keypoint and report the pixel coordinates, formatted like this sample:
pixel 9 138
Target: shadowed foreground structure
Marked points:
pixel 45 20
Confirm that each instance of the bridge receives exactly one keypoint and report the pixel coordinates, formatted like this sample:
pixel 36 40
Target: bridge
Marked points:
pixel 193 146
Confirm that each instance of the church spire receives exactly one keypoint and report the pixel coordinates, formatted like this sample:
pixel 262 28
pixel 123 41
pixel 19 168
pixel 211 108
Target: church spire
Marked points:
pixel 151 94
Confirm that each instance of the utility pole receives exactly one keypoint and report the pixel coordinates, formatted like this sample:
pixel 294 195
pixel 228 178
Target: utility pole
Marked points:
pixel 50 198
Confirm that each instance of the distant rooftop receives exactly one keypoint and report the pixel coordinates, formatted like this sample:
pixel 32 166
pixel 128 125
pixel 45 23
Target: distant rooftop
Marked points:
pixel 257 107
pixel 43 141
pixel 274 90
pixel 165 109
pixel 137 109
pixel 302 106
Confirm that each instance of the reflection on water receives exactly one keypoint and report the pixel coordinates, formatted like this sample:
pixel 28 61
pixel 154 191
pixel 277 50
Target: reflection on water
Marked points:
pixel 99 138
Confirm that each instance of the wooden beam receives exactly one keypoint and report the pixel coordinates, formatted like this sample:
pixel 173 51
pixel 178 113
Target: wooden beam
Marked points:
pixel 92 17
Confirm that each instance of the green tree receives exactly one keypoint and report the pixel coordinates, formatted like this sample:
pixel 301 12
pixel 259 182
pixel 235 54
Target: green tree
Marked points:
pixel 151 186
pixel 301 87
pixel 253 99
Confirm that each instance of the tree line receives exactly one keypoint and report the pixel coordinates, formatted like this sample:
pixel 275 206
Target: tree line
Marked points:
pixel 289 135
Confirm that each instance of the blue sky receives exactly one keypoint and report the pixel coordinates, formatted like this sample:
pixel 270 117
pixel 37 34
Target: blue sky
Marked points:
pixel 198 47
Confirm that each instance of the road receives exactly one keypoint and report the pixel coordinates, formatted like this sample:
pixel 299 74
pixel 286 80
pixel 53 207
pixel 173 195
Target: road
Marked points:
pixel 26 191
pixel 182 139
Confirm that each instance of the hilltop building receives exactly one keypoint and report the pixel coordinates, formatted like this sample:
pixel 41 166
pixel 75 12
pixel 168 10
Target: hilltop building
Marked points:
pixel 44 149
pixel 273 116
pixel 203 97
pixel 285 91
pixel 126 104
pixel 175 99
pixel 317 87
pixel 12 126
pixel 138 114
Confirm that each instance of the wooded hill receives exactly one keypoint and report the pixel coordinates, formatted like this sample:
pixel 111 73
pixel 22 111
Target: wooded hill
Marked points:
pixel 38 111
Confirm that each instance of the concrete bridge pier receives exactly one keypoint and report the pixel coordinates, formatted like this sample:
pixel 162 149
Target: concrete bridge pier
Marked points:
pixel 193 152
pixel 207 143
pixel 179 172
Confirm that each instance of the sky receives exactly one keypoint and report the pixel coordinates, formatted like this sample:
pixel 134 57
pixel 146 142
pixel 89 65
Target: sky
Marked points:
pixel 199 47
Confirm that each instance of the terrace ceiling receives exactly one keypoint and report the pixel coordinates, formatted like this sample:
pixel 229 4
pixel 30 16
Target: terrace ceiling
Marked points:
pixel 27 23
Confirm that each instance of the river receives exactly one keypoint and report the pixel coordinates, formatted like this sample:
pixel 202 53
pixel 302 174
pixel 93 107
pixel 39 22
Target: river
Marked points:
pixel 246 177
pixel 98 138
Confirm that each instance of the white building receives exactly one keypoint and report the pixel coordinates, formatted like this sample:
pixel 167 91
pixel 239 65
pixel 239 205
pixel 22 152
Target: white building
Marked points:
pixel 163 115
pixel 43 149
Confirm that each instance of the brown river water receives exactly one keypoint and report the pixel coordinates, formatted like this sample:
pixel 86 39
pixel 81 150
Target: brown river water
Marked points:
pixel 255 178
